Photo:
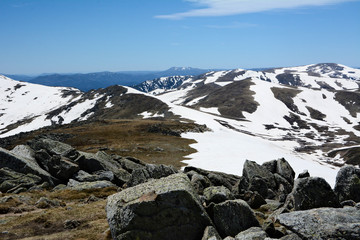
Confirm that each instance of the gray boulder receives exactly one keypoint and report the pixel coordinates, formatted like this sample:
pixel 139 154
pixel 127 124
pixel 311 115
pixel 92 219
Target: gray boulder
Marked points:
pixel 199 182
pixel 347 186
pixel 23 165
pixel 232 217
pixel 304 174
pixel 217 194
pixel 324 223
pixel 252 169
pixel 311 192
pixel 83 176
pixel 79 186
pixel 253 233
pixel 150 171
pixel 24 151
pixel 259 185
pixel 254 199
pixel 284 169
pixel 129 163
pixel 166 208
pixel 10 180
pixel 216 178
pixel 241 186
pixel 54 147
pixel 210 233
pixel 101 161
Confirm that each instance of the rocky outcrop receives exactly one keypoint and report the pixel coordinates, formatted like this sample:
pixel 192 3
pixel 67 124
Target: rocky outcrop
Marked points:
pixel 311 192
pixel 11 181
pixel 217 194
pixel 23 165
pixel 150 171
pixel 324 223
pixel 103 162
pixel 79 186
pixel 167 208
pixel 232 217
pixel 347 185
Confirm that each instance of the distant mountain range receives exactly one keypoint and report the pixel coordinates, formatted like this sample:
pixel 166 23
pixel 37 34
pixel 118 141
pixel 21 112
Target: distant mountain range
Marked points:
pixel 88 81
pixel 304 112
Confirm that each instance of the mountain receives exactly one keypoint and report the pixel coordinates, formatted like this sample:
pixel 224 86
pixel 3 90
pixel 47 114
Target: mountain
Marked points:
pixel 89 81
pixel 26 107
pixel 163 83
pixel 308 114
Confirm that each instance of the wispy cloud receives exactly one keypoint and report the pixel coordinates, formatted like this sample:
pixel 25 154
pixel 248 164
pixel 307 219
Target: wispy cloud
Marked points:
pixel 233 7
pixel 233 25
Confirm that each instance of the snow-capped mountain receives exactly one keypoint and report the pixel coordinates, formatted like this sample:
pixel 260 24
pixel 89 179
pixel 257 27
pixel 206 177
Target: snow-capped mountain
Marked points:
pixel 26 107
pixel 316 107
pixel 300 113
pixel 161 84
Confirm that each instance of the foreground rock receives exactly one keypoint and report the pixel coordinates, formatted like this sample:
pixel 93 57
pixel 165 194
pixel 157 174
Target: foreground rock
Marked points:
pixel 232 217
pixel 347 185
pixel 324 223
pixel 311 192
pixel 167 208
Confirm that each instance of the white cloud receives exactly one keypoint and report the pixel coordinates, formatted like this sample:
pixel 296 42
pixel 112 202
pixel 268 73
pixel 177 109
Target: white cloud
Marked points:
pixel 233 25
pixel 234 7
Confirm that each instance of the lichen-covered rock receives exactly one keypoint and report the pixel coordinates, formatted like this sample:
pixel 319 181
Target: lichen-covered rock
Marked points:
pixel 253 233
pixel 232 217
pixel 324 223
pixel 311 192
pixel 166 208
pixel 217 194
pixel 241 186
pixel 199 182
pixel 284 169
pixel 103 162
pixel 11 180
pixel 54 147
pixel 79 186
pixel 24 151
pixel 210 233
pixel 259 185
pixel 252 169
pixel 347 185
pixel 23 165
pixel 150 171
pixel 304 174
pixel 216 178
pixel 254 199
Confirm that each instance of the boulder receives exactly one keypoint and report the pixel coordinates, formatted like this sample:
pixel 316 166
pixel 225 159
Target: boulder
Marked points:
pixel 253 233
pixel 259 185
pixel 150 171
pixel 270 166
pixel 347 186
pixel 252 169
pixel 241 186
pixel 101 161
pixel 210 233
pixel 79 186
pixel 291 236
pixel 24 151
pixel 54 147
pixel 324 223
pixel 283 187
pixel 62 168
pixel 83 176
pixel 44 202
pixel 304 174
pixel 216 178
pixel 284 169
pixel 199 182
pixel 254 199
pixel 129 163
pixel 232 217
pixel 11 180
pixel 166 208
pixel 23 165
pixel 311 192
pixel 217 194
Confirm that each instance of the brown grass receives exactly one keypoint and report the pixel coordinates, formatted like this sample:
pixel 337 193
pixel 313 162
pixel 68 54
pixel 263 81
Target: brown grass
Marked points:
pixel 49 223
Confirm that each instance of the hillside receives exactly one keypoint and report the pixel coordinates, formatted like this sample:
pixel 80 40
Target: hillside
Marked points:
pixel 301 113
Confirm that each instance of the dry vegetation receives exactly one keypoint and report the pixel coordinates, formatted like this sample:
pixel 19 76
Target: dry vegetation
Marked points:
pixel 26 221
pixel 153 141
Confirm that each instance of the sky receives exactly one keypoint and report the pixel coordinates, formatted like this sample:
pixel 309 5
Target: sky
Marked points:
pixel 67 36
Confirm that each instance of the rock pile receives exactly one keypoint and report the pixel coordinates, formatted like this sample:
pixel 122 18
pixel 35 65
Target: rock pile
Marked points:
pixel 159 202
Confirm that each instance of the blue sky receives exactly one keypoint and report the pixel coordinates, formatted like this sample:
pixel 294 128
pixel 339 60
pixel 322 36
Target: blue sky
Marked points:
pixel 43 36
